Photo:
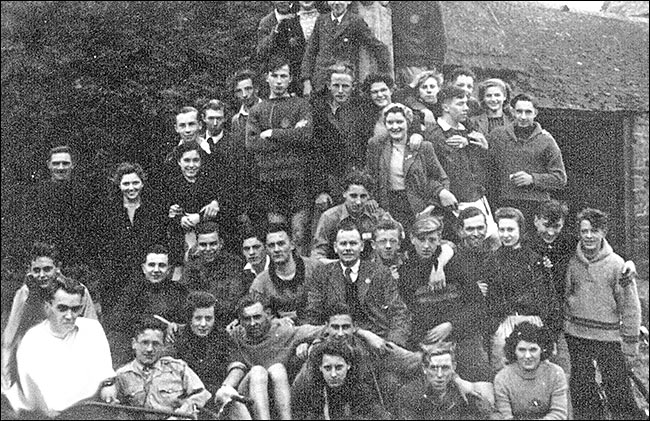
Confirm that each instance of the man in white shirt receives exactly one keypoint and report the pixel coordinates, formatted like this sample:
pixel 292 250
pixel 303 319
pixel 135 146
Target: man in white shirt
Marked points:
pixel 65 358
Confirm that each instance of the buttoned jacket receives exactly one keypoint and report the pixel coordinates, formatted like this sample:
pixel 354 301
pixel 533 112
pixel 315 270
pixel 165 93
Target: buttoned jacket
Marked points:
pixel 386 313
pixel 424 177
pixel 330 42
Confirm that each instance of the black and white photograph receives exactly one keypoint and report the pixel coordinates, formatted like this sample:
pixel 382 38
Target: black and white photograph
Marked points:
pixel 352 210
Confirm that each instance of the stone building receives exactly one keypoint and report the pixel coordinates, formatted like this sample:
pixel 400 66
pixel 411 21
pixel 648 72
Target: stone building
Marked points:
pixel 590 74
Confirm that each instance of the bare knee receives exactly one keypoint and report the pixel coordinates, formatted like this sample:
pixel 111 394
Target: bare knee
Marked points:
pixel 258 375
pixel 278 372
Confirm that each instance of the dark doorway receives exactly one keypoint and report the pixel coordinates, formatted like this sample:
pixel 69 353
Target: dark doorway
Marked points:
pixel 592 145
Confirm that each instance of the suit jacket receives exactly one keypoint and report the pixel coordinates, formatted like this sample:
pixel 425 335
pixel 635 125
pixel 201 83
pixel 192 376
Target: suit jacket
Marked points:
pixel 330 42
pixel 424 176
pixel 377 291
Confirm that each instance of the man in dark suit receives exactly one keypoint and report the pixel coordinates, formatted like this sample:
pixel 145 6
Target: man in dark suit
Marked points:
pixel 367 287
pixel 338 36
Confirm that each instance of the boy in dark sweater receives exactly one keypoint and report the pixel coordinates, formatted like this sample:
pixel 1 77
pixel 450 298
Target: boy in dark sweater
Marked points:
pixel 278 132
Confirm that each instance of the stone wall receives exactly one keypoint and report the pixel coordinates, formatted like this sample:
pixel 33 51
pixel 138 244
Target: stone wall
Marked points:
pixel 639 171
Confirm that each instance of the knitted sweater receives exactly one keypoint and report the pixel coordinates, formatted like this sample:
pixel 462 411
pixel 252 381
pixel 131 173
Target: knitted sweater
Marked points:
pixel 288 298
pixel 283 155
pixel 465 167
pixel 538 155
pixel 597 307
pixel 523 395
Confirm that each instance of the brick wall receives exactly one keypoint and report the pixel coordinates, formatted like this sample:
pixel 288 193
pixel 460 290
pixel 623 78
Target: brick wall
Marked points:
pixel 640 192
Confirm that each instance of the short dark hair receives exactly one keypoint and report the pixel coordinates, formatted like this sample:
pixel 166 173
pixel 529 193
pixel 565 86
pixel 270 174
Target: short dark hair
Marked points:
pixel 62 149
pixel 148 322
pixel 277 227
pixel 460 71
pixel 552 210
pixel 356 177
pixel 252 231
pixel 526 331
pixel 511 213
pixel 337 308
pixel 347 225
pixel 469 212
pixel 207 227
pixel 448 92
pixel 251 299
pixel 598 218
pixel 524 97
pixel 67 284
pixel 240 75
pixel 184 147
pixel 198 299
pixel 376 78
pixel 125 168
pixel 337 348
pixel 154 249
pixel 278 61
pixel 41 249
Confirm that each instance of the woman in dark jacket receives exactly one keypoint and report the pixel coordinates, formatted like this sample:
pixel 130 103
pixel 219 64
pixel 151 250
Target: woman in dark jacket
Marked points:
pixel 126 225
pixel 409 180
pixel 203 345
pixel 334 390
pixel 520 288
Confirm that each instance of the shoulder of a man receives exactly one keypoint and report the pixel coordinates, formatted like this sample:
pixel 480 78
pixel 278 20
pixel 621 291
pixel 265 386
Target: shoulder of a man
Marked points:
pixel 375 270
pixel 87 324
pixel 268 20
pixel 330 218
pixel 33 335
pixel 126 368
pixel 311 263
pixel 168 363
pixel 257 108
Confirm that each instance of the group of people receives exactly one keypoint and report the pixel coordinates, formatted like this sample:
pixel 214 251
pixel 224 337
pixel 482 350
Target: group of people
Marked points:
pixel 223 276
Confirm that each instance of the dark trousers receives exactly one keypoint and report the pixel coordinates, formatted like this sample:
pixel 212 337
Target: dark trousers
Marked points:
pixel 286 196
pixel 583 387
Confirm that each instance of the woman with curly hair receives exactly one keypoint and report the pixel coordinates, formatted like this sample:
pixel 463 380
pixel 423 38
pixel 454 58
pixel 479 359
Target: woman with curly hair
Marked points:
pixel 530 387
pixel 334 390
pixel 410 180
pixel 129 221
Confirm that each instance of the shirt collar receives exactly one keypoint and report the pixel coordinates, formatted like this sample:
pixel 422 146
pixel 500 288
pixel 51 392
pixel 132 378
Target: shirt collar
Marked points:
pixel 345 214
pixel 286 95
pixel 279 16
pixel 446 126
pixel 249 267
pixel 340 18
pixel 214 138
pixel 205 142
pixel 354 267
